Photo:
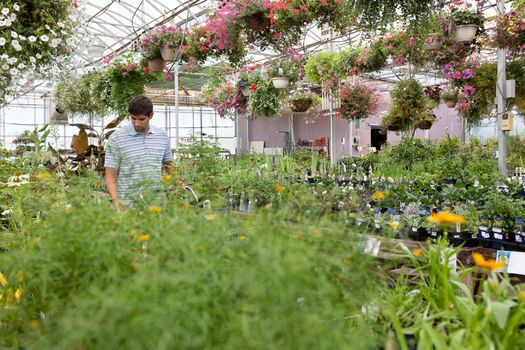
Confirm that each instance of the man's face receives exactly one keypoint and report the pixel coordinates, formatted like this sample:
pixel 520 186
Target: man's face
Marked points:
pixel 140 123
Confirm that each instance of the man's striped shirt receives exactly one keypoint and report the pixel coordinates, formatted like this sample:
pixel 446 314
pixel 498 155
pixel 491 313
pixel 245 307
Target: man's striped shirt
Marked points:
pixel 138 159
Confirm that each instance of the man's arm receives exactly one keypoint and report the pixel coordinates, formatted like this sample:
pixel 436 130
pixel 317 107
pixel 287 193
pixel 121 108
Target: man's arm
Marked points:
pixel 111 185
pixel 167 166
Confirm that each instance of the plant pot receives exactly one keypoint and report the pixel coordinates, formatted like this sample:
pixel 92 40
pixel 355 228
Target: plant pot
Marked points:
pixel 466 32
pixel 168 53
pixel 301 105
pixel 257 21
pixel 433 46
pixel 280 82
pixel 423 124
pixel 394 127
pixel 156 65
pixel 246 91
pixel 450 103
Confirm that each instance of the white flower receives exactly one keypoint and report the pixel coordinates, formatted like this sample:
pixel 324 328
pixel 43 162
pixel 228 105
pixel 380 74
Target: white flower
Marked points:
pixel 6 212
pixel 13 71
pixel 8 22
pixel 22 38
pixel 70 41
pixel 4 56
pixel 16 7
pixel 39 56
pixel 44 38
pixel 2 23
pixel 5 66
pixel 12 60
pixel 32 39
pixel 12 17
pixel 32 59
pixel 60 24
pixel 2 41
pixel 5 11
pixel 14 35
pixel 16 45
pixel 55 42
pixel 21 66
pixel 47 27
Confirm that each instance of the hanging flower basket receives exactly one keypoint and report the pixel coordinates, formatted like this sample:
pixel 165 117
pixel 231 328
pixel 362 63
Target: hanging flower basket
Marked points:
pixel 433 45
pixel 168 54
pixel 257 21
pixel 280 82
pixel 156 65
pixel 466 32
pixel 450 103
pixel 423 124
pixel 301 105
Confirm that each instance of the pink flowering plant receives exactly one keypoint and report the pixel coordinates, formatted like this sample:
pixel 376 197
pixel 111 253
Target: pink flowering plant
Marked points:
pixel 449 93
pixel 510 33
pixel 227 101
pixel 290 67
pixel 358 101
pixel 405 48
pixel 165 36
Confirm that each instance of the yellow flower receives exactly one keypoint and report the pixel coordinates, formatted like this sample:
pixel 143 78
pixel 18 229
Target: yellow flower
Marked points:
pixel 35 323
pixel 446 217
pixel 3 280
pixel 278 187
pixel 522 295
pixel 42 176
pixel 143 238
pixel 242 237
pixel 211 217
pixel 154 209
pixel 18 294
pixel 491 264
pixel 166 179
pixel 19 276
pixel 416 252
pixel 393 224
pixel 371 210
pixel 347 261
pixel 378 195
pixel 185 206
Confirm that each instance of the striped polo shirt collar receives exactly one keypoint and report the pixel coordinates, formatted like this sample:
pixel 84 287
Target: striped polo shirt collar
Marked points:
pixel 133 132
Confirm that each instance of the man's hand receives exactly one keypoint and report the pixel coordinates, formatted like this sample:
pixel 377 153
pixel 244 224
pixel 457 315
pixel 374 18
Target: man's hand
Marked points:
pixel 111 185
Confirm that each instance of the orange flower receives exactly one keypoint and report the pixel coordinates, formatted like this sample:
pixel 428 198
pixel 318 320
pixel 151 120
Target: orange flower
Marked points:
pixel 416 252
pixel 446 217
pixel 278 187
pixel 491 264
pixel 143 238
pixel 154 209
pixel 378 195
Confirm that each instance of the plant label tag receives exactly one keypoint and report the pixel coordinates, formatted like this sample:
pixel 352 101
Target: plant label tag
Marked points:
pixel 369 245
pixel 434 233
pixel 514 261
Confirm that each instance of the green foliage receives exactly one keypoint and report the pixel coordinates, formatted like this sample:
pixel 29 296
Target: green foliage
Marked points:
pixel 264 100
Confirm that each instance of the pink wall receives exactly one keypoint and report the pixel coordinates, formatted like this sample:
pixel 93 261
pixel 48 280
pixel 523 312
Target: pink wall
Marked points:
pixel 264 129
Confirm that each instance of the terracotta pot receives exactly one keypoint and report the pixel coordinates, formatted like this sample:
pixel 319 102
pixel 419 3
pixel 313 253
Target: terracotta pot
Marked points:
pixel 450 104
pixel 301 105
pixel 168 53
pixel 466 32
pixel 257 21
pixel 156 65
pixel 280 82
pixel 424 124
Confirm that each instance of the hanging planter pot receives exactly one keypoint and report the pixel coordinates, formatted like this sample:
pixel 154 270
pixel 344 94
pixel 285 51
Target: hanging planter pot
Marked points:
pixel 257 21
pixel 466 32
pixel 156 65
pixel 423 124
pixel 59 117
pixel 450 103
pixel 301 105
pixel 280 82
pixel 168 53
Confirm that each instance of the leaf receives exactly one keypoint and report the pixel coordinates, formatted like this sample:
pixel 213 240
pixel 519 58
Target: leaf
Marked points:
pixel 115 122
pixel 83 126
pixel 56 154
pixel 108 134
pixel 80 142
pixel 501 311
pixel 92 134
pixel 438 340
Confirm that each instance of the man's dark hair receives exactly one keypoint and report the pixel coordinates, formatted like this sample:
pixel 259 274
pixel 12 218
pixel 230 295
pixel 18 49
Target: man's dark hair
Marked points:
pixel 140 105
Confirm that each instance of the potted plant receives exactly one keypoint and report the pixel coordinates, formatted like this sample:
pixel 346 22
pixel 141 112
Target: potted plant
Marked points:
pixel 358 101
pixel 172 39
pixel 467 24
pixel 250 78
pixel 425 121
pixel 301 101
pixel 150 46
pixel 264 99
pixel 285 71
pixel 226 100
pixel 450 96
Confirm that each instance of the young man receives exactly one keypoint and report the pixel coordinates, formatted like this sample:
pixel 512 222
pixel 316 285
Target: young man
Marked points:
pixel 135 156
